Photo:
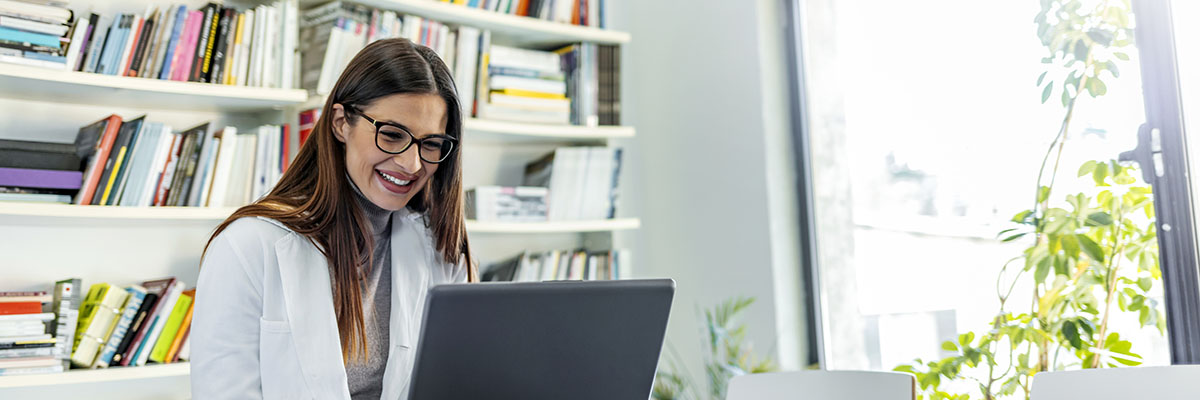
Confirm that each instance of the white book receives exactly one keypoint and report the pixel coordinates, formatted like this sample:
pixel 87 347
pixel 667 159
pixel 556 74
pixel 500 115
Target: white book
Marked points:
pixel 257 45
pixel 30 25
pixel 47 64
pixel 27 317
pixel 542 61
pixel 329 66
pixel 270 70
pixel 168 172
pixel 104 24
pixel 260 164
pixel 564 10
pixel 185 349
pixel 531 103
pixel 159 319
pixel 31 370
pixel 209 173
pixel 90 339
pixel 443 41
pixel 139 164
pixel 245 49
pixel 162 35
pixel 593 13
pixel 466 62
pixel 240 186
pixel 412 28
pixel 155 172
pixel 506 113
pixel 222 174
pixel 291 38
pixel 76 47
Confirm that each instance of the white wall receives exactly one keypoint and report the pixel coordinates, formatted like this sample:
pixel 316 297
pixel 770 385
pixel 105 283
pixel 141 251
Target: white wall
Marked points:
pixel 710 170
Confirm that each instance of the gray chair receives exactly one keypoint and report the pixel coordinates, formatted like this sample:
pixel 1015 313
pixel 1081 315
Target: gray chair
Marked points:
pixel 823 385
pixel 1177 382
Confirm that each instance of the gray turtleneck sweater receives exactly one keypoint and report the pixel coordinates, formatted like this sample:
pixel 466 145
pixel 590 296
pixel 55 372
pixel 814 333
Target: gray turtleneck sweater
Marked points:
pixel 366 379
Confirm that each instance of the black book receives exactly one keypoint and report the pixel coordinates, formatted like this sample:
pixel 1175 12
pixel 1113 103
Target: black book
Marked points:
pixel 189 162
pixel 143 43
pixel 185 151
pixel 38 155
pixel 204 43
pixel 136 325
pixel 27 345
pixel 503 271
pixel 120 146
pixel 228 20
pixel 23 46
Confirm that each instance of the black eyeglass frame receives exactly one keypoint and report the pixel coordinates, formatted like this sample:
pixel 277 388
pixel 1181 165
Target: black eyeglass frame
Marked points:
pixel 413 138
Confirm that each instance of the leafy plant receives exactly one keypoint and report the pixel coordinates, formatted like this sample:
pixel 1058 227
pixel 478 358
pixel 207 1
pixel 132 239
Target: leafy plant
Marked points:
pixel 727 352
pixel 1089 260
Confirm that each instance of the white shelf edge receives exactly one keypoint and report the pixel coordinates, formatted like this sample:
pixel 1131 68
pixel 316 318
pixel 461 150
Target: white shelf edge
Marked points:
pixel 554 226
pixel 206 214
pixel 545 31
pixel 566 132
pixel 38 210
pixel 73 377
pixel 270 96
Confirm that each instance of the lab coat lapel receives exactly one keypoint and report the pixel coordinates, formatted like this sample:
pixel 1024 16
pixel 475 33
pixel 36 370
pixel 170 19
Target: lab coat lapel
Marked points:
pixel 409 280
pixel 304 273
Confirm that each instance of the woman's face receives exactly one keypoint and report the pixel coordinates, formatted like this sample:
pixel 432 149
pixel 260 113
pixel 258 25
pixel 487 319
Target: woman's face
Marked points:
pixel 390 180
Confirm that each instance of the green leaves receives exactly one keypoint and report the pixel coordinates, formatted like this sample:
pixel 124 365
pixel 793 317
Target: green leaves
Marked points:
pixel 1090 247
pixel 1046 92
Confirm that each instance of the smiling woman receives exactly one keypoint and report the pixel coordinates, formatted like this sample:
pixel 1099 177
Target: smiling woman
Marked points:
pixel 315 290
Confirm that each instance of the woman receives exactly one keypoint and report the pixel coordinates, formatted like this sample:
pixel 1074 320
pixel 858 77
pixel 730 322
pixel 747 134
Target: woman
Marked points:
pixel 317 290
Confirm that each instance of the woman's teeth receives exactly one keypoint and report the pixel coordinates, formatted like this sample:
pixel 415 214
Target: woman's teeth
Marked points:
pixel 392 179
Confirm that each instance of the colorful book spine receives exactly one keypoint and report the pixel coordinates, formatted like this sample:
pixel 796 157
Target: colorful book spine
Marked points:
pixel 41 178
pixel 181 16
pixel 99 312
pixel 184 329
pixel 171 329
pixel 137 295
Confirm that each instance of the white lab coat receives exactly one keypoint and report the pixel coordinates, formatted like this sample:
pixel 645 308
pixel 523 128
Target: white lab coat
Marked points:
pixel 264 325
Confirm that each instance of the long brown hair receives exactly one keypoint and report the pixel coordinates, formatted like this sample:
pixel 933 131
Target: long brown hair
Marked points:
pixel 314 197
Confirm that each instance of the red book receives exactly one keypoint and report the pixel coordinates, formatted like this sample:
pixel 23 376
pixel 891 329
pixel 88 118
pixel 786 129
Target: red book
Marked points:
pixel 523 8
pixel 166 174
pixel 25 307
pixel 287 140
pixel 575 6
pixel 308 121
pixel 95 168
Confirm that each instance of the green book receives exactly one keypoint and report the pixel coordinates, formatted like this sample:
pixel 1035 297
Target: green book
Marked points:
pixel 163 346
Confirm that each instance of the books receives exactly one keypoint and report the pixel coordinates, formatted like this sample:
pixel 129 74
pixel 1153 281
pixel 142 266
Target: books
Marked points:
pixel 582 181
pixel 509 204
pixel 170 329
pixel 68 295
pixel 133 304
pixel 98 315
pixel 561 265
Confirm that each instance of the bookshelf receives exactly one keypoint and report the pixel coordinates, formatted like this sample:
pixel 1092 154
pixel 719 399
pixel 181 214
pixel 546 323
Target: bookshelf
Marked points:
pixel 129 244
pixel 33 83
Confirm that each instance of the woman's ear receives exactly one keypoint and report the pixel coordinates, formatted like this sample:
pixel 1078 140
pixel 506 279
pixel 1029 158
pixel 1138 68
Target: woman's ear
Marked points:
pixel 341 124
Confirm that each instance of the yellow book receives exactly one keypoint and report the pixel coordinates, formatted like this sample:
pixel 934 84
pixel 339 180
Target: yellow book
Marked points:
pixel 529 93
pixel 230 79
pixel 163 345
pixel 112 178
pixel 97 315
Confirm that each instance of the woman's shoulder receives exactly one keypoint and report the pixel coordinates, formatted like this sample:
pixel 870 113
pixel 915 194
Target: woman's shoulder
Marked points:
pixel 251 233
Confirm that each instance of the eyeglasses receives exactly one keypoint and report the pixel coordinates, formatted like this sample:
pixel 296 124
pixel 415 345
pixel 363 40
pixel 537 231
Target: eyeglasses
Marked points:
pixel 394 138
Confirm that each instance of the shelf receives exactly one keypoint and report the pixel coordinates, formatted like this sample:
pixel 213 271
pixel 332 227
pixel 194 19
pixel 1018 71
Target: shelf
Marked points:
pixel 32 83
pixel 554 227
pixel 522 30
pixel 37 213
pixel 169 381
pixel 34 212
pixel 503 131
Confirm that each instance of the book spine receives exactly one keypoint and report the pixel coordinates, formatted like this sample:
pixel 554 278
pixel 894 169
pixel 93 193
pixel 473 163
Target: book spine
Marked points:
pixel 203 54
pixel 30 352
pixel 67 296
pixel 135 329
pixel 168 57
pixel 136 296
pixel 219 51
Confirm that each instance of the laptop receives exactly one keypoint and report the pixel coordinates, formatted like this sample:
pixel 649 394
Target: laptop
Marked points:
pixel 575 340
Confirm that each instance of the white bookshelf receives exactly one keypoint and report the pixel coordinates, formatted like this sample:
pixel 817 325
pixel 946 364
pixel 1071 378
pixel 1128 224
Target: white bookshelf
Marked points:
pixel 129 244
pixel 519 30
pixel 40 84
pixel 168 381
pixel 15 213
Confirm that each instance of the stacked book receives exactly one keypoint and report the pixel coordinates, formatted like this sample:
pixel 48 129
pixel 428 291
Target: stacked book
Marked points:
pixel 582 182
pixel 576 84
pixel 38 171
pixel 27 345
pixel 33 32
pixel 523 85
pixel 110 326
pixel 561 265
pixel 213 44
pixel 575 12
pixel 507 203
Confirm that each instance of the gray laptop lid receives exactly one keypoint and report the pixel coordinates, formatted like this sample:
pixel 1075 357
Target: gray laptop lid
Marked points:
pixel 549 340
